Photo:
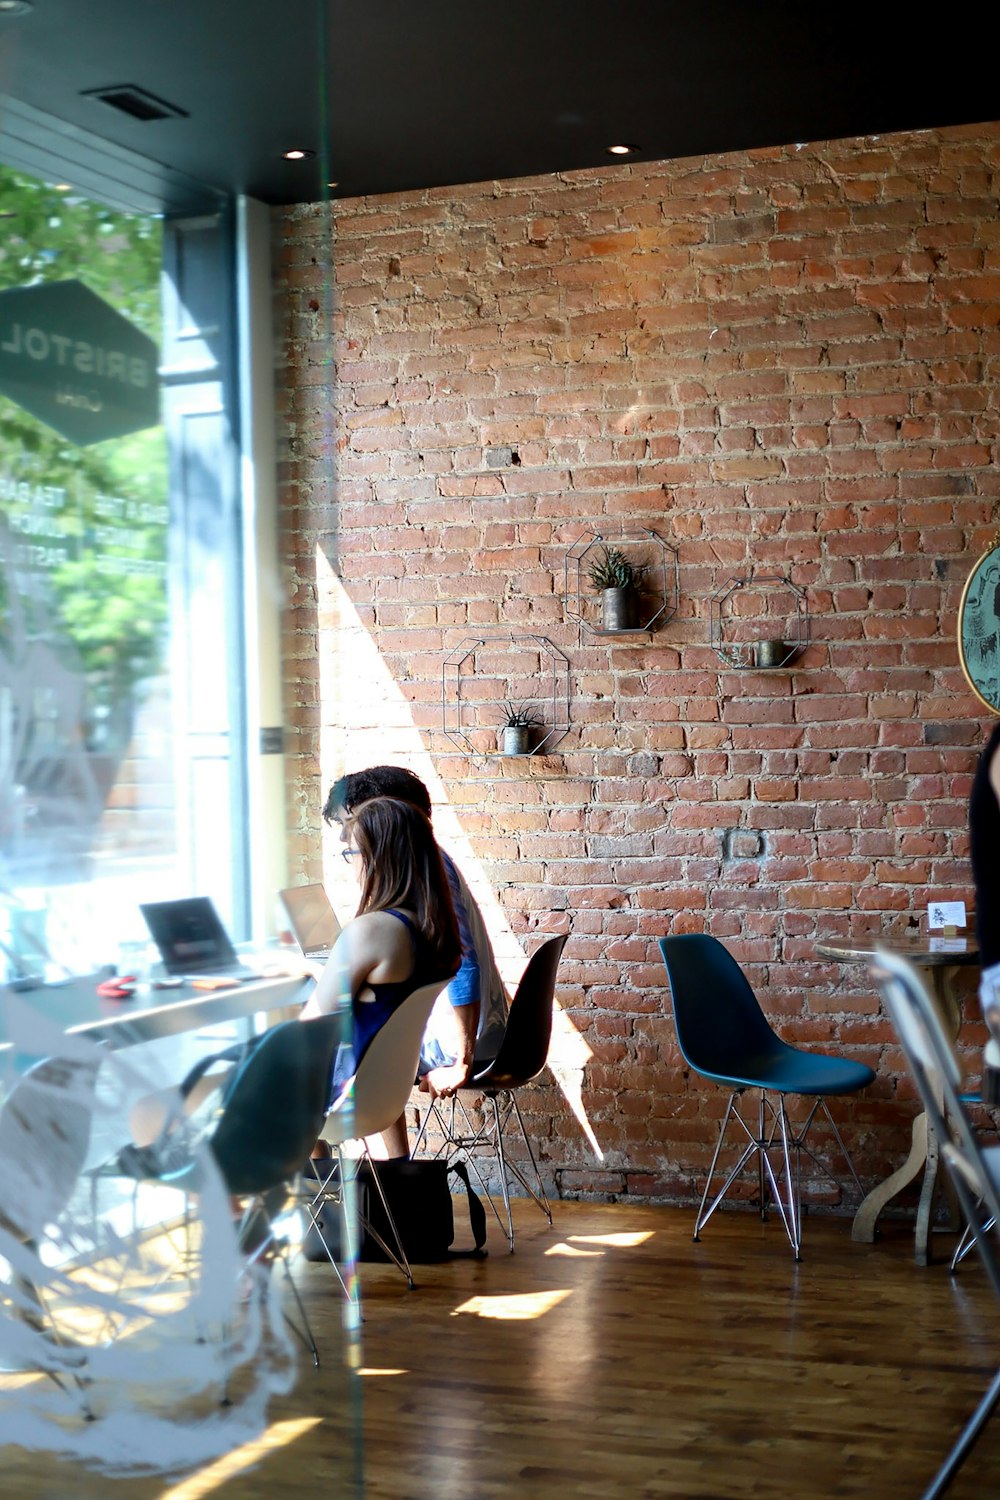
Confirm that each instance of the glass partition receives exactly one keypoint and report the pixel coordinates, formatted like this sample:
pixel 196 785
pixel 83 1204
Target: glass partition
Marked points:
pixel 140 722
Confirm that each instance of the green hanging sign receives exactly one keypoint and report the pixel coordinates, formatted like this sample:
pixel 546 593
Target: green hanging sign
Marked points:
pixel 75 363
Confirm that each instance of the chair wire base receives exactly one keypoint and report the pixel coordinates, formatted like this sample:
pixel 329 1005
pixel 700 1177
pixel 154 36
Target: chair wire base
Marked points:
pixel 468 1139
pixel 329 1191
pixel 774 1135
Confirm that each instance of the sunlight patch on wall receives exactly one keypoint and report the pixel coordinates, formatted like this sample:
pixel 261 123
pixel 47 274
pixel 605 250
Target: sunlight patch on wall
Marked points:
pixel 366 720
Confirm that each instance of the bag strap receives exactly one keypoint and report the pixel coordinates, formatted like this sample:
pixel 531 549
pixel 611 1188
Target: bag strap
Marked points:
pixel 477 1213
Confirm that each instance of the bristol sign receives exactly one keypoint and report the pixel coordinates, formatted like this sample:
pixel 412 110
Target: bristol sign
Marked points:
pixel 75 363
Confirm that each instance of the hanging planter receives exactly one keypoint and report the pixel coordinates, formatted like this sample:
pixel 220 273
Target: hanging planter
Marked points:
pixel 616 579
pixel 517 736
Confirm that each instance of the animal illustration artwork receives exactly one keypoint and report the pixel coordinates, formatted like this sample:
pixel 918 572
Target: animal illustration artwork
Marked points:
pixel 979 628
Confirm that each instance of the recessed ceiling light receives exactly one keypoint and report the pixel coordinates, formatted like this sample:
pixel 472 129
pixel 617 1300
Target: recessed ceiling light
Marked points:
pixel 297 153
pixel 622 150
pixel 15 7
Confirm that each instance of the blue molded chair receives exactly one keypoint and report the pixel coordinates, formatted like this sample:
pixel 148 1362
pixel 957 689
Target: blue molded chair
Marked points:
pixel 975 1170
pixel 725 1036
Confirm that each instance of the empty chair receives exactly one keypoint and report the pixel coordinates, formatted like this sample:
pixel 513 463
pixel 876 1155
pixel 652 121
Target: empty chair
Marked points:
pixel 975 1170
pixel 381 1087
pixel 725 1036
pixel 521 1057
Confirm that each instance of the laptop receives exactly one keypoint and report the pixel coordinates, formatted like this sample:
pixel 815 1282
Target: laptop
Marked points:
pixel 312 919
pixel 191 937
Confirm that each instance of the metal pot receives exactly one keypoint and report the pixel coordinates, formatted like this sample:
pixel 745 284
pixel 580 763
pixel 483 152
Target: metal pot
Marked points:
pixel 618 609
pixel 770 653
pixel 517 739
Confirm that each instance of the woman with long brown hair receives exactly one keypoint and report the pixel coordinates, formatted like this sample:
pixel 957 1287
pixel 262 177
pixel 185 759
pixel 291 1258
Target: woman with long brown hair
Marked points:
pixel 405 934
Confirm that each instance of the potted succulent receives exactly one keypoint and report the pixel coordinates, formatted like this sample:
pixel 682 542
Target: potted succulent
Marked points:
pixel 616 579
pixel 519 724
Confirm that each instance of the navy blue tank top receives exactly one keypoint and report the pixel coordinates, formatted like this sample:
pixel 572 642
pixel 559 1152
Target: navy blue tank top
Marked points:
pixel 369 1016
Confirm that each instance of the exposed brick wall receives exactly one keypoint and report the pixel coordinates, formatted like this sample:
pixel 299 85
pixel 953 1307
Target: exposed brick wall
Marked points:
pixel 785 359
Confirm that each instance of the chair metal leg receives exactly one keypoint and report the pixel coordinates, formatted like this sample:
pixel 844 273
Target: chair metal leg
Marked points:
pixel 966 1439
pixel 303 1332
pixel 967 1242
pixel 791 1212
pixel 705 1214
pixel 761 1175
pixel 468 1140
pixel 537 1192
pixel 397 1256
pixel 502 1163
pixel 327 1193
pixel 779 1179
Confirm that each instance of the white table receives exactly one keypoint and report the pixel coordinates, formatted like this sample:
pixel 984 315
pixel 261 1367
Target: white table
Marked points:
pixel 151 1014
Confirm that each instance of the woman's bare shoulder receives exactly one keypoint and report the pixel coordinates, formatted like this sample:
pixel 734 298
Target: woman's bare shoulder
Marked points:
pixel 378 927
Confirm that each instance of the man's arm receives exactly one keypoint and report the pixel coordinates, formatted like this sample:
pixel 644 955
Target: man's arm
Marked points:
pixel 442 1082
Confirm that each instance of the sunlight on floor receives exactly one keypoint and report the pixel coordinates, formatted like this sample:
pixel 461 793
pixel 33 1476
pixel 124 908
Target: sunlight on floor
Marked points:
pixel 519 1308
pixel 623 1241
pixel 209 1479
pixel 573 1245
pixel 370 712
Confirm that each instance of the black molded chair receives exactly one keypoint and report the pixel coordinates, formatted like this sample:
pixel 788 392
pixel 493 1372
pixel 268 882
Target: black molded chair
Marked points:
pixel 272 1109
pixel 725 1036
pixel 521 1057
pixel 975 1170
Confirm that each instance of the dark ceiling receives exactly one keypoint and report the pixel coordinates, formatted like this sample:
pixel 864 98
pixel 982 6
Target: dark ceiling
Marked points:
pixel 395 94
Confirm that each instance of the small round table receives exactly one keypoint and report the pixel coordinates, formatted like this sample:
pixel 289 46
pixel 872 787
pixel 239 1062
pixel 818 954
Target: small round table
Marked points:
pixel 940 957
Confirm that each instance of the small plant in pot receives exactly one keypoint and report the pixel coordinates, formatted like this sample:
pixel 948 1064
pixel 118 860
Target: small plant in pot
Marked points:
pixel 616 579
pixel 519 727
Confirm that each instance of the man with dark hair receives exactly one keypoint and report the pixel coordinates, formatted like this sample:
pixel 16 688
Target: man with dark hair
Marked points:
pixel 467 1024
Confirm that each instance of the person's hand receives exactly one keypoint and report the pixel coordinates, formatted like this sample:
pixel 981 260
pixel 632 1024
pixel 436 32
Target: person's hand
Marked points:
pixel 442 1083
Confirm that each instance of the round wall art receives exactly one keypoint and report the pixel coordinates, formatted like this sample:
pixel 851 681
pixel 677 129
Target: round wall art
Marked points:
pixel 979 628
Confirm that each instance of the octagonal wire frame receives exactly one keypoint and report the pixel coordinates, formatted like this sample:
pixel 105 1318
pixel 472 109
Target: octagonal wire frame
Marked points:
pixel 575 591
pixel 745 655
pixel 456 725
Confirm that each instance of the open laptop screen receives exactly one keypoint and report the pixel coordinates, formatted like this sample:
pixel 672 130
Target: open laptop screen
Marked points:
pixel 312 919
pixel 190 936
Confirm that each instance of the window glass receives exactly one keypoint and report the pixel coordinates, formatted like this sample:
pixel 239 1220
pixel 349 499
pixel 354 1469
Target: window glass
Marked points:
pixel 86 776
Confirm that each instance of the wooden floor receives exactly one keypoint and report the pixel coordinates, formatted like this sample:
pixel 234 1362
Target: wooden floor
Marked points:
pixel 612 1358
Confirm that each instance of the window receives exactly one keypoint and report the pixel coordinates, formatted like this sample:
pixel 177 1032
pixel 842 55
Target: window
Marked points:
pixel 120 687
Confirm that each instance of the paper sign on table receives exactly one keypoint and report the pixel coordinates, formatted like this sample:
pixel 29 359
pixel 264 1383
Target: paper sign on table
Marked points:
pixel 946 914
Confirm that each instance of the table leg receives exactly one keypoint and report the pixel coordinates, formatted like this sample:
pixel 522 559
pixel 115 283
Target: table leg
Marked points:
pixel 923 1145
pixel 866 1218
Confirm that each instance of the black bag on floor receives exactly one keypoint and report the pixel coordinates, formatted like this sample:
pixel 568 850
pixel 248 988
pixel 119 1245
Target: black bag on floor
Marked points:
pixel 419 1198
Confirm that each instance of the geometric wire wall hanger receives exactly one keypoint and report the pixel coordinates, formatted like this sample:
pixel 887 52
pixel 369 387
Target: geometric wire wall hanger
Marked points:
pixel 485 673
pixel 649 554
pixel 759 622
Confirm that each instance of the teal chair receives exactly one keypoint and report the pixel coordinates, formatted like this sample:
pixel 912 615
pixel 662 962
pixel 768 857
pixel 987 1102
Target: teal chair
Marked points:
pixel 725 1036
pixel 272 1109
